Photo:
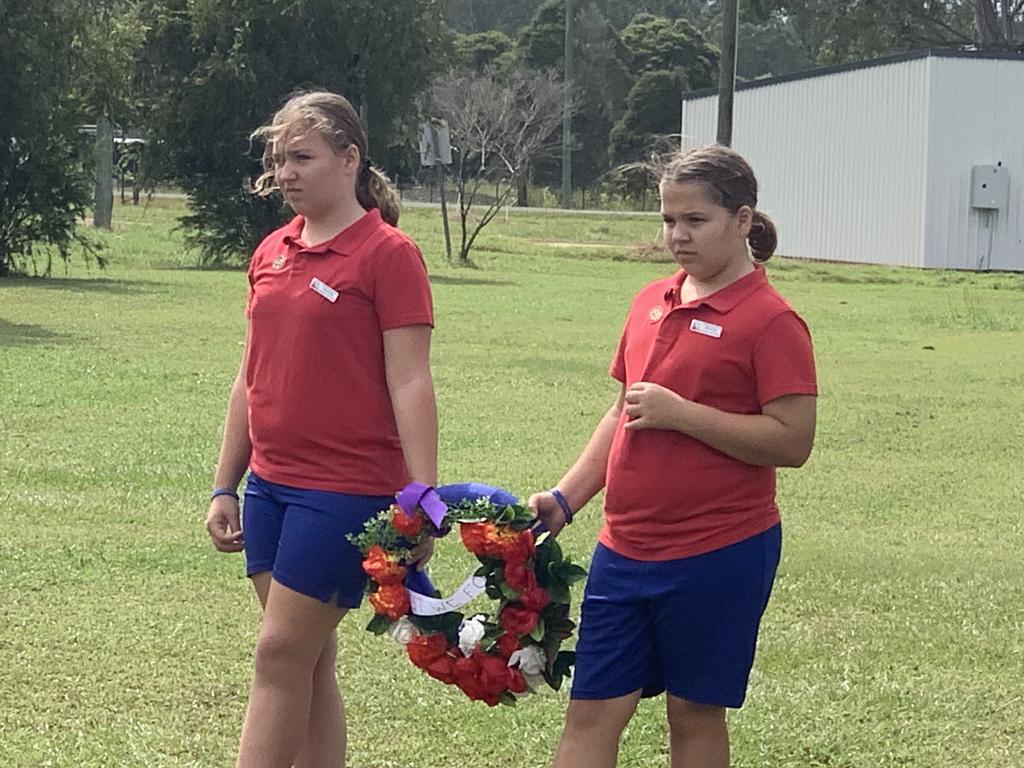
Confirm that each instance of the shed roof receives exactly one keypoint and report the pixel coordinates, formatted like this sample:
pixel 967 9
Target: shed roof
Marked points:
pixel 896 58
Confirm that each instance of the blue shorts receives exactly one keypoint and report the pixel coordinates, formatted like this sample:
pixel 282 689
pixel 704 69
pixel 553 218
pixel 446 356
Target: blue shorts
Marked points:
pixel 688 626
pixel 300 536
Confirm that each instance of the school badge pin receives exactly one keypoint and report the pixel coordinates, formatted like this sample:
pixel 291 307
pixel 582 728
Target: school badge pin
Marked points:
pixel 278 262
pixel 655 314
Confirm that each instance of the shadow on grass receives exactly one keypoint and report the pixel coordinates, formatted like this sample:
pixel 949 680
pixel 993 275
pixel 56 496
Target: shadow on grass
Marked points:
pixel 25 333
pixel 182 266
pixel 84 284
pixel 465 280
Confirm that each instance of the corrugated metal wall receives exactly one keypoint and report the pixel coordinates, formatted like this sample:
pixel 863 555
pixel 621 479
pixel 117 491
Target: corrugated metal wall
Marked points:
pixel 840 158
pixel 976 117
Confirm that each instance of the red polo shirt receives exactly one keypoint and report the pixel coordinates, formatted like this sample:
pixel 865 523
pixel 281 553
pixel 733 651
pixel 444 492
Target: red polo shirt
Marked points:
pixel 669 495
pixel 320 414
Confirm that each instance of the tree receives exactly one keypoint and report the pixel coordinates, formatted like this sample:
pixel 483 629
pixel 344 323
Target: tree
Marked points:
pixel 44 187
pixel 668 58
pixel 999 23
pixel 498 126
pixel 470 16
pixel 217 70
pixel 104 52
pixel 659 44
pixel 837 33
pixel 483 50
pixel 599 87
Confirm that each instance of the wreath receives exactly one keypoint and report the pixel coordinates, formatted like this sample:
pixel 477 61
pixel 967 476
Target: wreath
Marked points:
pixel 494 657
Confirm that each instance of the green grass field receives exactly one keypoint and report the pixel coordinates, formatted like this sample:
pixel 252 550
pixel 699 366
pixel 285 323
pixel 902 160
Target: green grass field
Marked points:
pixel 894 637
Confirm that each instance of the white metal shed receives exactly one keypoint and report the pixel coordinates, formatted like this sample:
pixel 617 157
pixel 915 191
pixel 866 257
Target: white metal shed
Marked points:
pixel 910 160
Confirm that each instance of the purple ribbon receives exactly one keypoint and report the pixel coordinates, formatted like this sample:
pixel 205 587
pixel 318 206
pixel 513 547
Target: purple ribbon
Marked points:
pixel 421 495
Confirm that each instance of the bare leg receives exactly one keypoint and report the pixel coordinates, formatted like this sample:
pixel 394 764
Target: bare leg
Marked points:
pixel 698 735
pixel 590 738
pixel 324 746
pixel 294 634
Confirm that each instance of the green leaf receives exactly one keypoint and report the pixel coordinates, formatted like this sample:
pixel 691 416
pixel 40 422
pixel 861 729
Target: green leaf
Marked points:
pixel 379 624
pixel 494 592
pixel 564 662
pixel 507 591
pixel 559 593
pixel 574 573
pixel 446 623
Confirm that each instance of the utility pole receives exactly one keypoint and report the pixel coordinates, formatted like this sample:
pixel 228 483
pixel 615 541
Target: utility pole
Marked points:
pixel 727 70
pixel 103 200
pixel 567 118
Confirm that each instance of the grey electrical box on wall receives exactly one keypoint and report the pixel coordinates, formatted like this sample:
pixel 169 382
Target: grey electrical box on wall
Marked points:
pixel 990 186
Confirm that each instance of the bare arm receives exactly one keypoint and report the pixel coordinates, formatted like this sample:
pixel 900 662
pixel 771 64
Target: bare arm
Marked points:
pixel 411 387
pixel 586 476
pixel 223 521
pixel 782 435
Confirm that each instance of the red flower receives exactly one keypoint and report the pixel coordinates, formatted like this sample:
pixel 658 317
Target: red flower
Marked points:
pixel 518 620
pixel 508 644
pixel 382 567
pixel 442 668
pixel 466 672
pixel 410 526
pixel 494 673
pixel 430 653
pixel 390 600
pixel 426 648
pixel 520 576
pixel 516 681
pixel 535 599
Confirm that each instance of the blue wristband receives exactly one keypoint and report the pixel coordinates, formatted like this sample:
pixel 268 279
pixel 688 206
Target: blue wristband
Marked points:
pixel 224 492
pixel 563 503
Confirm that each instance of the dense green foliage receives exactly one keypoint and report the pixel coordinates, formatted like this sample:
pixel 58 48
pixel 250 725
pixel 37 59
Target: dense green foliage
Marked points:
pixel 44 186
pixel 215 71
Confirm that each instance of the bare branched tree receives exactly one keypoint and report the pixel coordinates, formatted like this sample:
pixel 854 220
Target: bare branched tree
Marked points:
pixel 499 126
pixel 998 22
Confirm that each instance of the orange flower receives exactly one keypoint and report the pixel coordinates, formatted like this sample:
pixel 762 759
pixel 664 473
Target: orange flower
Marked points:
pixel 409 526
pixel 390 600
pixel 476 536
pixel 521 548
pixel 382 567
pixel 501 541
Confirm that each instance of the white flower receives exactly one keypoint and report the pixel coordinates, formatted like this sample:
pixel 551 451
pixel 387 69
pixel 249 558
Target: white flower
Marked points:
pixel 531 663
pixel 533 682
pixel 530 660
pixel 470 634
pixel 402 631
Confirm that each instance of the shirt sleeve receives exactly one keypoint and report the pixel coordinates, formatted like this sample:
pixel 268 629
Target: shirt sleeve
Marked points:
pixel 784 359
pixel 402 289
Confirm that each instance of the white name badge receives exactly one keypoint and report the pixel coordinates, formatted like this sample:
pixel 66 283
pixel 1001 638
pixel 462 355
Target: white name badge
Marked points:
pixel 323 289
pixel 433 606
pixel 707 329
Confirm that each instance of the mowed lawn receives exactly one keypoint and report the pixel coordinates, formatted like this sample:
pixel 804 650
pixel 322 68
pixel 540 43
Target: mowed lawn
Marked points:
pixel 895 636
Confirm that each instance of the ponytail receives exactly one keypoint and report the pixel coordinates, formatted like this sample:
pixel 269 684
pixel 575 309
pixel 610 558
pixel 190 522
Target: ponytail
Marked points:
pixel 763 239
pixel 375 190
